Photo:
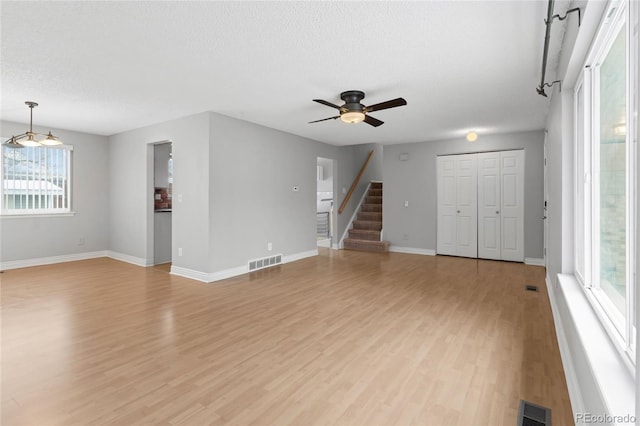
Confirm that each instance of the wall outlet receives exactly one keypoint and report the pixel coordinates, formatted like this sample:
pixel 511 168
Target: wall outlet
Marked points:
pixel 179 251
pixel 269 246
pixel 406 204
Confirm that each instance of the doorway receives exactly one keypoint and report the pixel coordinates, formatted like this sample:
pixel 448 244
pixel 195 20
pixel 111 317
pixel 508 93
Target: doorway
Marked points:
pixel 162 193
pixel 325 221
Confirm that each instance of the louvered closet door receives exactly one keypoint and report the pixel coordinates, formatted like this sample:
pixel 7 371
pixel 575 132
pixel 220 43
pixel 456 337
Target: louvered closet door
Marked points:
pixel 512 211
pixel 467 205
pixel 489 205
pixel 446 238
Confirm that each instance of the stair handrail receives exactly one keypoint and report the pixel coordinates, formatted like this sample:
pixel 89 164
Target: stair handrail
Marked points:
pixel 355 183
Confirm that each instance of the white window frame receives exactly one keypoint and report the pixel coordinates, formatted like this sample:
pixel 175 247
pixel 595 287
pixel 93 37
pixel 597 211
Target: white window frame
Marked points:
pixel 620 327
pixel 64 209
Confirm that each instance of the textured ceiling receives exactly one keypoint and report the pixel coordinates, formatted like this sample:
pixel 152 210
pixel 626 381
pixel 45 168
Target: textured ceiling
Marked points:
pixel 108 67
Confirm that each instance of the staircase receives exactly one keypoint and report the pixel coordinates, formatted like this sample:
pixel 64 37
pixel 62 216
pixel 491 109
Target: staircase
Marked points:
pixel 365 233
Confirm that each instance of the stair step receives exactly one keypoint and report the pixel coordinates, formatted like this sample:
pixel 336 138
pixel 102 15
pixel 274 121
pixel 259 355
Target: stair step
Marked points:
pixel 370 216
pixel 376 185
pixel 367 224
pixel 374 192
pixel 371 208
pixel 364 234
pixel 364 245
pixel 373 200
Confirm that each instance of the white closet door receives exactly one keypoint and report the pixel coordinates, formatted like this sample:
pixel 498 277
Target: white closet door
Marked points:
pixel 489 205
pixel 467 205
pixel 446 236
pixel 512 211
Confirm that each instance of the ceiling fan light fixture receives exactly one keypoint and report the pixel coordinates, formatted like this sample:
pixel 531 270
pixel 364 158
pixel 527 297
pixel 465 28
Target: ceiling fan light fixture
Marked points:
pixel 352 117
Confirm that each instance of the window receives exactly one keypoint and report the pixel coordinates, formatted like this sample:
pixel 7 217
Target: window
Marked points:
pixel 606 170
pixel 36 180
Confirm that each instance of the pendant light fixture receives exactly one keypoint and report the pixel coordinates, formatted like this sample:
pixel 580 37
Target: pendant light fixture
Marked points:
pixel 29 138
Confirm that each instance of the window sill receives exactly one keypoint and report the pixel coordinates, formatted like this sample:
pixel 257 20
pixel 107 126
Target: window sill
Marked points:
pixel 611 371
pixel 33 215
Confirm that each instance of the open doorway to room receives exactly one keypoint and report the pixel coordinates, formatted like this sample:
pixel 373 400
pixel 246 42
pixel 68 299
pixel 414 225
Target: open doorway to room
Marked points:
pixel 324 204
pixel 162 193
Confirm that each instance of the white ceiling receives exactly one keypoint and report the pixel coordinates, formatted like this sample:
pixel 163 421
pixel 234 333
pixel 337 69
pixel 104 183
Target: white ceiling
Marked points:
pixel 108 67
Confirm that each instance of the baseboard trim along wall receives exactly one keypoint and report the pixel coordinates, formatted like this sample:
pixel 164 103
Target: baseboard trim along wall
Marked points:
pixel 233 272
pixel 565 355
pixel 412 250
pixel 534 261
pixel 26 263
pixel 129 259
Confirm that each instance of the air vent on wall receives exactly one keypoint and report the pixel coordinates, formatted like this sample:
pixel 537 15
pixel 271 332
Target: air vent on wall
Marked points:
pixel 265 262
pixel 531 414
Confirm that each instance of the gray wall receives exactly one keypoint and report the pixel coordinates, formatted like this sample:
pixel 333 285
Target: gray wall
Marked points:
pixel 253 172
pixel 131 195
pixel 38 237
pixel 236 182
pixel 415 181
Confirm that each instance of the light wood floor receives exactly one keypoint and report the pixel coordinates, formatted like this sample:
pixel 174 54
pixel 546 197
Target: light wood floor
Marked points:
pixel 342 338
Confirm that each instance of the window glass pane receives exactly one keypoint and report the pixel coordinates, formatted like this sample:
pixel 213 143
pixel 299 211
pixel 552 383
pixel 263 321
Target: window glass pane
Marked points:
pixel 35 179
pixel 613 191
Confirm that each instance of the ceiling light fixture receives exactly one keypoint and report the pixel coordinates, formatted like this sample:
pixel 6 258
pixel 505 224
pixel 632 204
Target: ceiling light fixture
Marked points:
pixel 472 136
pixel 352 117
pixel 29 138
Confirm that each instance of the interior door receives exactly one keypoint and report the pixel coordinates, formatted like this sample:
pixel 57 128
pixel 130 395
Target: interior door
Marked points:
pixel 467 205
pixel 489 205
pixel 446 177
pixel 512 205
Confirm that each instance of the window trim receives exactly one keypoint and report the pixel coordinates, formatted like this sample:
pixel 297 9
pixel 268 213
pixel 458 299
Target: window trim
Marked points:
pixel 619 326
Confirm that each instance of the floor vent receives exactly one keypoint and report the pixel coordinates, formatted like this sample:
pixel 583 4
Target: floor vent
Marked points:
pixel 265 262
pixel 531 287
pixel 531 414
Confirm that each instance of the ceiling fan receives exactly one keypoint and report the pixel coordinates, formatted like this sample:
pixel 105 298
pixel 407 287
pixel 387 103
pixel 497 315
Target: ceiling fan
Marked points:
pixel 354 112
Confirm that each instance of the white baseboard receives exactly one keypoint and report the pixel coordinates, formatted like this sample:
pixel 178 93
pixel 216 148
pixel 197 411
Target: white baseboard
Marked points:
pixel 233 272
pixel 193 274
pixel 575 396
pixel 534 261
pixel 14 264
pixel 129 259
pixel 325 243
pixel 412 250
pixel 299 256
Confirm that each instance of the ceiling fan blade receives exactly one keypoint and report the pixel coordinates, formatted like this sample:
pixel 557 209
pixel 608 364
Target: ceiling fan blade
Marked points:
pixel 386 105
pixel 325 119
pixel 373 121
pixel 320 101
